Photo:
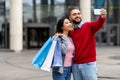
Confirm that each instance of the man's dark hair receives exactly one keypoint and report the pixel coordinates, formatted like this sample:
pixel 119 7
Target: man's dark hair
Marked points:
pixel 69 11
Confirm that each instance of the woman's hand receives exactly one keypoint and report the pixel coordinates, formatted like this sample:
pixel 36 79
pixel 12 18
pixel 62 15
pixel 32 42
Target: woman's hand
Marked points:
pixel 59 34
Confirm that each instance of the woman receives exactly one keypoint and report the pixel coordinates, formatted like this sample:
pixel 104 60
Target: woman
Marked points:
pixel 67 48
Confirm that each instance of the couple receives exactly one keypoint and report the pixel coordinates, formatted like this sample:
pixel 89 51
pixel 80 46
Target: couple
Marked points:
pixel 78 46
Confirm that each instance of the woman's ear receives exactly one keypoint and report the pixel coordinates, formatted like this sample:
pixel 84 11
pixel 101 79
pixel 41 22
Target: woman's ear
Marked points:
pixel 62 27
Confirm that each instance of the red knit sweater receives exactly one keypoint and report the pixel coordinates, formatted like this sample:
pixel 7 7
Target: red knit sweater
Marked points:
pixel 84 41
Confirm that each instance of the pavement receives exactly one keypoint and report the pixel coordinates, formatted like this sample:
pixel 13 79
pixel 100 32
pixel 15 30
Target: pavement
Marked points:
pixel 17 66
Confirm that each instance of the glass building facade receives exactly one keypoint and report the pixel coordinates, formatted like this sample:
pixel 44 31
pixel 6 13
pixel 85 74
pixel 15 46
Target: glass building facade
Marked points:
pixel 109 35
pixel 44 15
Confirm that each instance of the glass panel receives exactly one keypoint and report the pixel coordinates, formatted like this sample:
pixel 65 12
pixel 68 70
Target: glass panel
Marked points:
pixel 46 11
pixel 4 24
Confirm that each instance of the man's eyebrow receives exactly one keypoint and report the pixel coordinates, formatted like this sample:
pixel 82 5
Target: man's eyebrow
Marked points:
pixel 76 13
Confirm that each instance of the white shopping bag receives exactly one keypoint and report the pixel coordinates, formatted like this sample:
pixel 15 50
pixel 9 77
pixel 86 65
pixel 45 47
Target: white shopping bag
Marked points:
pixel 48 61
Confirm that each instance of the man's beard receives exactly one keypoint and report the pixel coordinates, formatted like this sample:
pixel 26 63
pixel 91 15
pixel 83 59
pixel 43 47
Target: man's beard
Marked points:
pixel 76 22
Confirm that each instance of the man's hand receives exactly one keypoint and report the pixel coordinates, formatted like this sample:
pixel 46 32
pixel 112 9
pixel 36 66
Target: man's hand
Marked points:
pixel 103 13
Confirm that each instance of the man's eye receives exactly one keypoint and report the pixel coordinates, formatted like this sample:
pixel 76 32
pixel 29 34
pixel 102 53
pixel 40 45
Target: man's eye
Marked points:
pixel 74 14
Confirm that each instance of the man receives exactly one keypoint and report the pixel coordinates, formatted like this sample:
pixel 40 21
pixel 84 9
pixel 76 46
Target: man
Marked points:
pixel 84 61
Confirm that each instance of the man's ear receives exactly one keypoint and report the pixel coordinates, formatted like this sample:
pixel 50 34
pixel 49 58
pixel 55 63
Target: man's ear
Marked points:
pixel 70 19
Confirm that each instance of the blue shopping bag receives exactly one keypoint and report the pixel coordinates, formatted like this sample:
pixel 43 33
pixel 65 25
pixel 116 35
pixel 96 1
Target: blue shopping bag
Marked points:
pixel 57 58
pixel 42 53
pixel 48 61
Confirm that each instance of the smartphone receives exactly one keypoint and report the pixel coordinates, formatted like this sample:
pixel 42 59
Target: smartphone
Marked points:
pixel 97 11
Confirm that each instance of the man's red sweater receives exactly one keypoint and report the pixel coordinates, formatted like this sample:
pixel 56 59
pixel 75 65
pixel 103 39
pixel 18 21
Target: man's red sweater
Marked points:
pixel 84 41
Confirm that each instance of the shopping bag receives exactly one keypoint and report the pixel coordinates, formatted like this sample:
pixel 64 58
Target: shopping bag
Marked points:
pixel 48 61
pixel 42 53
pixel 57 58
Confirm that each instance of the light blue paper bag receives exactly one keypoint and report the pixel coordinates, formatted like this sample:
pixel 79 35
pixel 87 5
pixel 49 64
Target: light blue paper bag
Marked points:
pixel 57 59
pixel 42 53
pixel 48 61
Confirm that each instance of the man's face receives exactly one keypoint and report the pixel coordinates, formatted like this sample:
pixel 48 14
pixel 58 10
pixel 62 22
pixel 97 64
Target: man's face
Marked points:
pixel 75 16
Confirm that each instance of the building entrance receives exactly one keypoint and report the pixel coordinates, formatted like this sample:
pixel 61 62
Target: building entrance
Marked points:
pixel 35 34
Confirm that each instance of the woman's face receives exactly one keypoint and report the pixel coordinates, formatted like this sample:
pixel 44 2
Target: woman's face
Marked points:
pixel 67 25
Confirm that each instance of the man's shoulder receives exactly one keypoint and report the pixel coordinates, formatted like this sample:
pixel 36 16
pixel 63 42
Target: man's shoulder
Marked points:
pixel 86 23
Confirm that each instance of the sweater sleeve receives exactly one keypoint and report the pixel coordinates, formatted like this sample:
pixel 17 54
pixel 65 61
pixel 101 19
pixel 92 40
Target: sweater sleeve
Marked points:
pixel 64 45
pixel 98 24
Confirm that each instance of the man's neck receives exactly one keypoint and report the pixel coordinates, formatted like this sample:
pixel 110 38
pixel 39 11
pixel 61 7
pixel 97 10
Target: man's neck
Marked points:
pixel 75 25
